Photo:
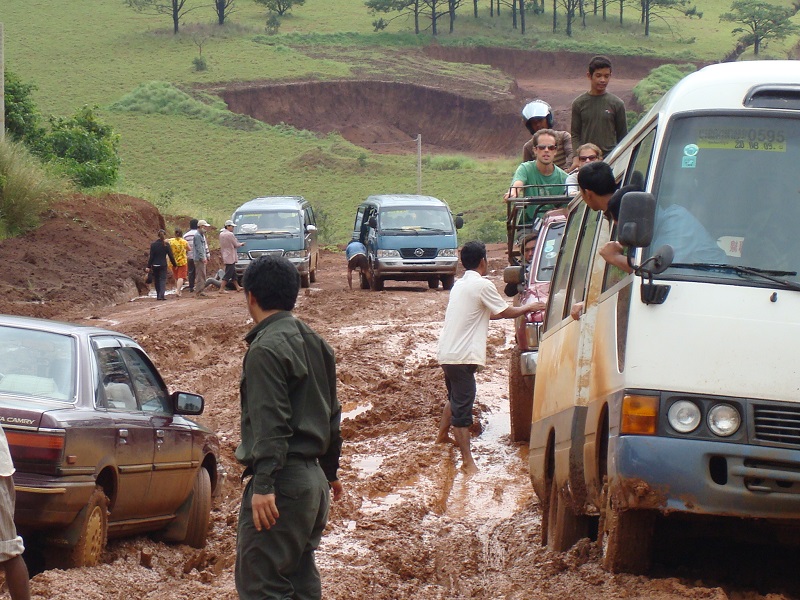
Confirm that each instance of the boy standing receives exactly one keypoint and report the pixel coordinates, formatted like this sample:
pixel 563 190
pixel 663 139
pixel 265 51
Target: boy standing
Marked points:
pixel 598 117
pixel 11 546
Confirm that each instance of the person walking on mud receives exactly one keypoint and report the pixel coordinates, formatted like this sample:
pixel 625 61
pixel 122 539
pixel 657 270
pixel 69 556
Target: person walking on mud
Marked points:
pixel 291 440
pixel 474 301
pixel 200 256
pixel 160 251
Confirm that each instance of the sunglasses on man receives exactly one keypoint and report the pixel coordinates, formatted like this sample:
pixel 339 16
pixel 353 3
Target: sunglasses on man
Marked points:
pixel 550 147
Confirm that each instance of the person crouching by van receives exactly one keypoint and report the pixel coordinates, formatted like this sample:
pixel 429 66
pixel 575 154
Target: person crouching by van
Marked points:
pixel 474 301
pixel 356 254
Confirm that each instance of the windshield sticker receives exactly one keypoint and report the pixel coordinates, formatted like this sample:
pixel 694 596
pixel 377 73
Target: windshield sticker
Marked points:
pixel 737 138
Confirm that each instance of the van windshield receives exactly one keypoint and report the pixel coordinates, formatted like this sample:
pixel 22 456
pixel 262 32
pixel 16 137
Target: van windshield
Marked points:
pixel 728 194
pixel 268 222
pixel 417 221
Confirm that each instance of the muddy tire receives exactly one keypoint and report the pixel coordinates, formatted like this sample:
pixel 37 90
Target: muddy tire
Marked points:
pixel 94 532
pixel 448 281
pixel 199 511
pixel 377 283
pixel 312 276
pixel 433 283
pixel 520 400
pixel 305 280
pixel 625 538
pixel 364 281
pixel 564 527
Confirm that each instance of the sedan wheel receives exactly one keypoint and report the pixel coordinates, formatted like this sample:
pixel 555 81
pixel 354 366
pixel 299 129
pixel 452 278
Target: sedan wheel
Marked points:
pixel 199 511
pixel 94 532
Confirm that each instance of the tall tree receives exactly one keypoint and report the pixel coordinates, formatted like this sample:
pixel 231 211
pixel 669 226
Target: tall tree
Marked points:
pixel 403 8
pixel 223 8
pixel 452 6
pixel 661 9
pixel 571 8
pixel 761 21
pixel 280 6
pixel 177 9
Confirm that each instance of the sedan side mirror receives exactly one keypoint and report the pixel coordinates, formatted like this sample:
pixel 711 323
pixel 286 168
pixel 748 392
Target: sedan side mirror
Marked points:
pixel 187 404
pixel 637 214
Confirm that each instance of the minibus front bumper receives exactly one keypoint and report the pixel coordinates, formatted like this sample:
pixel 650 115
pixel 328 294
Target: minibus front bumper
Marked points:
pixel 705 477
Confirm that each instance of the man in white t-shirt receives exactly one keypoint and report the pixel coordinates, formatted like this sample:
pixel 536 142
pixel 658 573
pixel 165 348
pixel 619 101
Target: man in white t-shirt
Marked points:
pixel 474 301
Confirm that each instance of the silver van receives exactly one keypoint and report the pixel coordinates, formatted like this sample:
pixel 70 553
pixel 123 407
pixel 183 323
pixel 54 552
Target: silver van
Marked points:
pixel 279 226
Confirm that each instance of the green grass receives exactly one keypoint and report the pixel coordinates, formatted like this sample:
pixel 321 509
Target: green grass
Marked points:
pixel 183 151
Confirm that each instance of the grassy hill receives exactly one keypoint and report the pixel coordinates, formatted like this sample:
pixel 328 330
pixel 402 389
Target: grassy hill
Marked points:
pixel 188 161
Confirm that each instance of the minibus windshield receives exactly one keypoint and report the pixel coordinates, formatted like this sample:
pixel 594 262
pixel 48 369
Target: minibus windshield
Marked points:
pixel 268 222
pixel 728 195
pixel 416 221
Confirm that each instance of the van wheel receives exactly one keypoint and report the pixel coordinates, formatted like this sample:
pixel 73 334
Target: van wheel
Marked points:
pixel 448 281
pixel 364 281
pixel 433 283
pixel 520 399
pixel 305 280
pixel 625 537
pixel 377 283
pixel 312 276
pixel 564 527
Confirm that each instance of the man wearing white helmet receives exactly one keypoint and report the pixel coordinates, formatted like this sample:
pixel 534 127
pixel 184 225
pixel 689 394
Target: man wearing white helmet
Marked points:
pixel 537 115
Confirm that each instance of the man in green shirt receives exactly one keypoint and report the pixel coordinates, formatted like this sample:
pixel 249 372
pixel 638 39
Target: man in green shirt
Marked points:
pixel 598 117
pixel 291 440
pixel 542 172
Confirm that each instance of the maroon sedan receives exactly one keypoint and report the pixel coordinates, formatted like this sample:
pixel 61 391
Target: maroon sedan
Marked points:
pixel 100 447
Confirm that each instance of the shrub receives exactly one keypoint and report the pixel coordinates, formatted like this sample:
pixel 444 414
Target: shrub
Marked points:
pixel 450 163
pixel 26 189
pixel 83 148
pixel 273 24
pixel 650 89
pixel 488 231
pixel 199 63
pixel 23 121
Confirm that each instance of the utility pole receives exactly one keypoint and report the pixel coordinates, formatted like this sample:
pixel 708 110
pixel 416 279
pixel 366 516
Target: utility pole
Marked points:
pixel 419 163
pixel 2 89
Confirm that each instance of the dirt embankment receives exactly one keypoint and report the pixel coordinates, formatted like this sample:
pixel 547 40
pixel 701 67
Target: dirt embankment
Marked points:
pixel 386 116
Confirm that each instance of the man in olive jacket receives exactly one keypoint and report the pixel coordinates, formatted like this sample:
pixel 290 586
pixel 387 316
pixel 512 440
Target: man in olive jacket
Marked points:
pixel 291 440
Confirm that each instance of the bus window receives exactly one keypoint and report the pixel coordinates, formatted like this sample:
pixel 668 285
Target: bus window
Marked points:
pixel 580 280
pixel 558 289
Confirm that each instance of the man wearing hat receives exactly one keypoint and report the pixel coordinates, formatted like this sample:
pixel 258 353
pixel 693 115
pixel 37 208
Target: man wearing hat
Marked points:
pixel 200 255
pixel 537 115
pixel 228 245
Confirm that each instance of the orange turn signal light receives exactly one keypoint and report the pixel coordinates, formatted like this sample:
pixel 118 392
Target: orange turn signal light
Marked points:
pixel 639 415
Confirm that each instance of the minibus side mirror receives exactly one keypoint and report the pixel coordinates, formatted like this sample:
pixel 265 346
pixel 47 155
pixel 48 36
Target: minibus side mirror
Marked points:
pixel 310 227
pixel 459 220
pixel 373 222
pixel 514 274
pixel 637 213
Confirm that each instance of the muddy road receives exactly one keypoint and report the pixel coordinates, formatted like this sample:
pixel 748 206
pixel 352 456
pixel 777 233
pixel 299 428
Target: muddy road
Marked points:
pixel 412 525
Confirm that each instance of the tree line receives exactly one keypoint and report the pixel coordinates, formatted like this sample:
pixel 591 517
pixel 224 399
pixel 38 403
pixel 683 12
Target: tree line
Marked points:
pixel 758 21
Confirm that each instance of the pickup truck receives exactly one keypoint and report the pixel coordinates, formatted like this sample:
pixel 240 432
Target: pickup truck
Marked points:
pixel 526 215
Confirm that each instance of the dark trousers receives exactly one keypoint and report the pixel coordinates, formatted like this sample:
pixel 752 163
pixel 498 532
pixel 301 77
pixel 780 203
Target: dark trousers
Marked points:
pixel 160 280
pixel 278 563
pixel 190 278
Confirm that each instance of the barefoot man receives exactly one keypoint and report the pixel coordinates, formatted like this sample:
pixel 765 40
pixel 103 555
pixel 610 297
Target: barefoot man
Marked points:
pixel 474 301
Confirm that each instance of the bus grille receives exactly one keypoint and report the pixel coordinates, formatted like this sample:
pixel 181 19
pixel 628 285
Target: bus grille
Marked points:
pixel 777 423
pixel 418 252
pixel 257 253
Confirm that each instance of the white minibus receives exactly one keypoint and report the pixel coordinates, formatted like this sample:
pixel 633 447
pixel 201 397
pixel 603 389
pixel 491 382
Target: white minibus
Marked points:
pixel 676 395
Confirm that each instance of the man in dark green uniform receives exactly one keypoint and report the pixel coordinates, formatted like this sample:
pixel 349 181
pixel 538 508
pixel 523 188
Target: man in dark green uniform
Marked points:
pixel 291 440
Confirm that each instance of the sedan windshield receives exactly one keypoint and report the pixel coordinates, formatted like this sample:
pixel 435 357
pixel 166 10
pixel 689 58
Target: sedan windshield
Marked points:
pixel 36 363
pixel 728 196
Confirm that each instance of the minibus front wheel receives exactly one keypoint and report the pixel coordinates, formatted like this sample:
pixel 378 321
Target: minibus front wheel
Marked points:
pixel 564 526
pixel 625 536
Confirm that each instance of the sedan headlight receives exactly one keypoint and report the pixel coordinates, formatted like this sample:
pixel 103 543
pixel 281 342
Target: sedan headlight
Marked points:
pixel 448 252
pixel 684 416
pixel 388 254
pixel 724 420
pixel 295 254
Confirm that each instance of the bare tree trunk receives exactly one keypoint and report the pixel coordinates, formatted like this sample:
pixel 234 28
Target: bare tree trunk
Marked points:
pixel 513 14
pixel 522 16
pixel 175 15
pixel 416 16
pixel 475 8
pixel 555 16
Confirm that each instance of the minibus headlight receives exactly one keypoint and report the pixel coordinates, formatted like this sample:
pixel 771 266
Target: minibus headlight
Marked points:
pixel 388 254
pixel 448 252
pixel 639 414
pixel 295 254
pixel 684 416
pixel 724 420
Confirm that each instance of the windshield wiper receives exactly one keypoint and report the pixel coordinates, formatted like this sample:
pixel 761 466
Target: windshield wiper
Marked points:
pixel 436 229
pixel 400 229
pixel 768 274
